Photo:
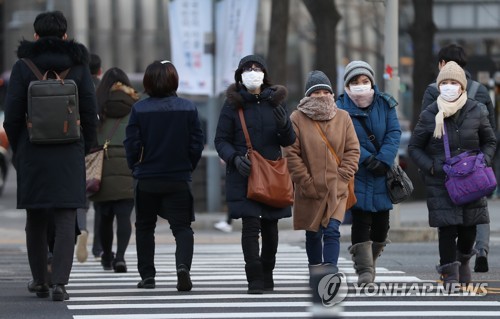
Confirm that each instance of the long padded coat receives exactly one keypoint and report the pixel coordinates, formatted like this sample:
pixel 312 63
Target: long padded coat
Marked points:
pixel 50 176
pixel 468 129
pixel 381 118
pixel 266 138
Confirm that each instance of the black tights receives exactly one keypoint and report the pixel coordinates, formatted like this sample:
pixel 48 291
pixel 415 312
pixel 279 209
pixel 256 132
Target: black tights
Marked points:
pixel 368 226
pixel 268 228
pixel 453 238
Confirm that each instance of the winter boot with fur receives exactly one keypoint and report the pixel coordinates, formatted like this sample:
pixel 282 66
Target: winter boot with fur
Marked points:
pixel 362 256
pixel 464 272
pixel 449 274
pixel 255 278
pixel 377 249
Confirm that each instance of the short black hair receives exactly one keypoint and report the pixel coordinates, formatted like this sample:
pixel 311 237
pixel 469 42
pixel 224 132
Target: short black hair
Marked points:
pixel 50 24
pixel 94 64
pixel 454 53
pixel 161 79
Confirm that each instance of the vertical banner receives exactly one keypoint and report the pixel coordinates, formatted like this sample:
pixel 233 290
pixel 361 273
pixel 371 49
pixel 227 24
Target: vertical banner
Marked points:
pixel 190 23
pixel 235 37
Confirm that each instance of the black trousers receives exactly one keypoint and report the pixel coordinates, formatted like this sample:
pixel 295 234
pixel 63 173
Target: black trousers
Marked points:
pixel 368 226
pixel 173 202
pixel 453 238
pixel 122 210
pixel 268 229
pixel 37 226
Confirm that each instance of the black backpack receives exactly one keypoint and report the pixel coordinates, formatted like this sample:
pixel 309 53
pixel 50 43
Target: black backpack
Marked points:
pixel 53 114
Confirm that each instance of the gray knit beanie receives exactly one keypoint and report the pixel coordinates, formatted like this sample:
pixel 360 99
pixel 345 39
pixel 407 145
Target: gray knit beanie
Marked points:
pixel 253 58
pixel 356 68
pixel 317 80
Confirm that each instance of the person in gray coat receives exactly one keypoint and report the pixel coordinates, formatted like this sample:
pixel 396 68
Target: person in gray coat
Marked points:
pixel 50 177
pixel 468 128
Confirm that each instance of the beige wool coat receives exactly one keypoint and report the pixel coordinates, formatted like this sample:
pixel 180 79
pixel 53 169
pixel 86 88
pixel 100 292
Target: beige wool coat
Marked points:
pixel 321 184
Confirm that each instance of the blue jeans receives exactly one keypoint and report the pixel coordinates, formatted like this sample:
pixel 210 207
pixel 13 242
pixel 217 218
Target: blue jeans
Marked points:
pixel 323 246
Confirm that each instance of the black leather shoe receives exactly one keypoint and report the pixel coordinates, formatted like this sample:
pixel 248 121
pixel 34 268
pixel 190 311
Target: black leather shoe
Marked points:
pixel 148 283
pixel 41 290
pixel 183 279
pixel 119 266
pixel 481 264
pixel 59 293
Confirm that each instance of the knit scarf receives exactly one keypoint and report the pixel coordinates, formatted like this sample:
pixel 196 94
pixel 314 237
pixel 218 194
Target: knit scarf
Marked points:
pixel 321 108
pixel 447 109
pixel 362 100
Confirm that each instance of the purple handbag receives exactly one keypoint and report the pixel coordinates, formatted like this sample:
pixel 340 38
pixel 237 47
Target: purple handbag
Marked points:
pixel 468 178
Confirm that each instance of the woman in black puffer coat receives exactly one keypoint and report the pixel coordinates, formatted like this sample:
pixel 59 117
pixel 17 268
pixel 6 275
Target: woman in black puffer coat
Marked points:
pixel 468 128
pixel 115 97
pixel 269 128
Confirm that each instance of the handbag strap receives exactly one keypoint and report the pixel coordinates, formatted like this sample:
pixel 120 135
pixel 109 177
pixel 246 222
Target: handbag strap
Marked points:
pixel 323 136
pixel 445 142
pixel 245 130
pixel 370 134
pixel 113 131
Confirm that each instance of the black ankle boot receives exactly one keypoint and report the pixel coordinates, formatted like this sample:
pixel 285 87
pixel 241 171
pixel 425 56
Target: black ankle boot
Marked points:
pixel 255 278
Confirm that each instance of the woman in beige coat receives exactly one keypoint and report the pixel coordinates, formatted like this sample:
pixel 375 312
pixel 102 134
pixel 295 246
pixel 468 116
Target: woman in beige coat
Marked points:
pixel 321 184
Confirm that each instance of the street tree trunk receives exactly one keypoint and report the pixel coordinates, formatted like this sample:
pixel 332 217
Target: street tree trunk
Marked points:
pixel 325 17
pixel 277 41
pixel 422 33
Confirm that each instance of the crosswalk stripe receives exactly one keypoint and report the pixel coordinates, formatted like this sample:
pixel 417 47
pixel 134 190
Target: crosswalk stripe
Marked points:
pixel 219 282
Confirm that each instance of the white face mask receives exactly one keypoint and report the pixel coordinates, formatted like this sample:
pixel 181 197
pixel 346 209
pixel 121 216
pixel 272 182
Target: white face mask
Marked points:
pixel 449 92
pixel 360 88
pixel 252 80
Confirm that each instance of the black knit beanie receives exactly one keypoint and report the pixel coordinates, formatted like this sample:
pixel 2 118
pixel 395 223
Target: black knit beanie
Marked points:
pixel 317 80
pixel 253 58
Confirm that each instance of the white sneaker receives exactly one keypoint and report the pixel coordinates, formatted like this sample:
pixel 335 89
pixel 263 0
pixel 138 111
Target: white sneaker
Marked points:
pixel 223 226
pixel 81 246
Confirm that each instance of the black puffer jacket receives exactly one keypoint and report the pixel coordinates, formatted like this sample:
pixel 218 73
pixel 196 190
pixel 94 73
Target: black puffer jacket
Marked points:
pixel 266 138
pixel 469 129
pixel 50 176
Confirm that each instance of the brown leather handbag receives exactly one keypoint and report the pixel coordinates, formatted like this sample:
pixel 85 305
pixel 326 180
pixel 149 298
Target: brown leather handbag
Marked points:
pixel 269 181
pixel 351 197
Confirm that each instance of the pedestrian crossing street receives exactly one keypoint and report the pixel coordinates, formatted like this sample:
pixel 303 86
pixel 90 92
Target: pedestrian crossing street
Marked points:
pixel 219 291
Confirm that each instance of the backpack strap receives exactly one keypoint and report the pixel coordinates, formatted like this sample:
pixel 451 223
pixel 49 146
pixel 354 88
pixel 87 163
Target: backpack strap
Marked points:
pixel 472 90
pixel 39 74
pixel 33 68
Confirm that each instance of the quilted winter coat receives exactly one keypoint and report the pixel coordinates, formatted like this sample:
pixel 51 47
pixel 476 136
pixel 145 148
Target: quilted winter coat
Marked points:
pixel 381 118
pixel 266 138
pixel 468 129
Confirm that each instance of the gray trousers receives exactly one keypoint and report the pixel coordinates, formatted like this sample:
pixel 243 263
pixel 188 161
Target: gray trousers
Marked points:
pixel 483 237
pixel 38 222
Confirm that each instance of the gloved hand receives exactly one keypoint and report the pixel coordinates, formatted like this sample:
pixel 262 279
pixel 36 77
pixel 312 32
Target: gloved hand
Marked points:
pixel 375 166
pixel 243 165
pixel 280 116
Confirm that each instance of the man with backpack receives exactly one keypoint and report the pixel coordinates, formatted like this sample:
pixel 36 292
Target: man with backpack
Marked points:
pixel 475 91
pixel 49 143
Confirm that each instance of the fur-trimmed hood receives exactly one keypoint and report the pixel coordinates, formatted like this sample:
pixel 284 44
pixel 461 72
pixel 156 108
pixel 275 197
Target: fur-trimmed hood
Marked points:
pixel 275 94
pixel 53 51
